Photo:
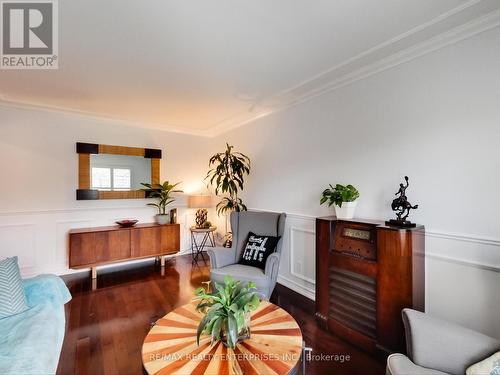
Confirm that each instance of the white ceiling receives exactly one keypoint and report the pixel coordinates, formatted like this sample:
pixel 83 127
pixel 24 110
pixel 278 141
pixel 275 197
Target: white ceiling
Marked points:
pixel 203 67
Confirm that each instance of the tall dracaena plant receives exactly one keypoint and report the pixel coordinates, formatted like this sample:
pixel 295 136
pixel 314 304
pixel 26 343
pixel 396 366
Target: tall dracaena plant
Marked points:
pixel 227 176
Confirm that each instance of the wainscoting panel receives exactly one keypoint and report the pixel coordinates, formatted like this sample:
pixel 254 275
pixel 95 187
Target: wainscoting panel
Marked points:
pixel 40 238
pixel 463 277
pixel 298 264
pixel 19 240
pixel 302 264
pixel 462 273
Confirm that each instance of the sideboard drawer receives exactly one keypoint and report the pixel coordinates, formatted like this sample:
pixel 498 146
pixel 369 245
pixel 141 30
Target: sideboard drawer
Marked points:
pixel 170 239
pixel 113 246
pixel 82 249
pixel 146 242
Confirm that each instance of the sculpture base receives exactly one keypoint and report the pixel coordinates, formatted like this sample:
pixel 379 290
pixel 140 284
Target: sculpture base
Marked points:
pixel 400 223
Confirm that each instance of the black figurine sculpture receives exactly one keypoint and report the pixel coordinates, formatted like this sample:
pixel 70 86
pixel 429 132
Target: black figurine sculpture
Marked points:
pixel 400 205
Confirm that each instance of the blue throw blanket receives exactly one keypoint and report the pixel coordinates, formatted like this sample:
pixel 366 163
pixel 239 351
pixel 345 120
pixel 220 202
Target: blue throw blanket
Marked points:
pixel 30 342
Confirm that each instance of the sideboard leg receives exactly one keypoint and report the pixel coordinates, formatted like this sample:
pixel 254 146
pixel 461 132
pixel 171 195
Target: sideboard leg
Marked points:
pixel 162 261
pixel 94 272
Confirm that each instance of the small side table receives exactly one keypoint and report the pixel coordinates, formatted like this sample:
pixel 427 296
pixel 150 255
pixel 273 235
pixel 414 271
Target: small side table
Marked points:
pixel 198 247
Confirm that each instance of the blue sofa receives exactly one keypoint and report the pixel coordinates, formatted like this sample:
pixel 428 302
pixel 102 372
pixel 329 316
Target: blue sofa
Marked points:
pixel 31 342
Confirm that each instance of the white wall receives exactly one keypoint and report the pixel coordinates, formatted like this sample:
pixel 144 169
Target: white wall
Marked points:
pixel 39 176
pixel 436 119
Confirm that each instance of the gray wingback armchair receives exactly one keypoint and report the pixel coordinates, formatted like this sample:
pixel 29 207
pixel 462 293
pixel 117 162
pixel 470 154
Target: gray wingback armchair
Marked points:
pixel 224 261
pixel 437 347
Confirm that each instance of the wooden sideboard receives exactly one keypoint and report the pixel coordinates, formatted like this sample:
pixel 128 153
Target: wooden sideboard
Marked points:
pixel 366 273
pixel 91 247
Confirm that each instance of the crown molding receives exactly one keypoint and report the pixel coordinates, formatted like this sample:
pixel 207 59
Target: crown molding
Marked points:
pixel 358 68
pixel 41 107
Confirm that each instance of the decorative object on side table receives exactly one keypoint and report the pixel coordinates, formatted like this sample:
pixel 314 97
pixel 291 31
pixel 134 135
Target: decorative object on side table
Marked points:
pixel 162 192
pixel 400 205
pixel 227 175
pixel 201 202
pixel 227 311
pixel 127 223
pixel 344 199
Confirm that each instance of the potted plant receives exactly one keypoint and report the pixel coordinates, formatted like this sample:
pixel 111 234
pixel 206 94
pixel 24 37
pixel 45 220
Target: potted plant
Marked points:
pixel 344 199
pixel 162 192
pixel 227 311
pixel 227 176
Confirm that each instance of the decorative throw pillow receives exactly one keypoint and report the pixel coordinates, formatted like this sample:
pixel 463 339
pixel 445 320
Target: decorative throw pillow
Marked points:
pixel 488 366
pixel 12 297
pixel 258 249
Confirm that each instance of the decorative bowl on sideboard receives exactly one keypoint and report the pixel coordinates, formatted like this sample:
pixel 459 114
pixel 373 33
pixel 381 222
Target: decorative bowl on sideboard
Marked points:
pixel 127 223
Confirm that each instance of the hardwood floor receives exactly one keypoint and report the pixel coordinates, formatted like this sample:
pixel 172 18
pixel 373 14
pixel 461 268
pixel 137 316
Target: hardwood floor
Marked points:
pixel 106 326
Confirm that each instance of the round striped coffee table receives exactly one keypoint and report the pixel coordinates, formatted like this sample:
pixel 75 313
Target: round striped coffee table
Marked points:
pixel 275 345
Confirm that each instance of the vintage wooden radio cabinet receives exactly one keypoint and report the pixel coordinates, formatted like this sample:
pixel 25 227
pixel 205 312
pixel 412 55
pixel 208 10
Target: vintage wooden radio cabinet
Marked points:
pixel 366 273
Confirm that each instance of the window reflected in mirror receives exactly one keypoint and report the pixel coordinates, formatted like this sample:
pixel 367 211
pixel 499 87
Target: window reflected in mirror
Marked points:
pixel 119 172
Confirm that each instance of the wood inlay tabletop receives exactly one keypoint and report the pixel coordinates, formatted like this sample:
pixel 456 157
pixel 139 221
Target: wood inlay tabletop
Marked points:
pixel 275 345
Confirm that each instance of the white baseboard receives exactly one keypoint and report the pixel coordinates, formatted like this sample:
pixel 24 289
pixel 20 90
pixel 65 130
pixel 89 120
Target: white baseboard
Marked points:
pixel 297 287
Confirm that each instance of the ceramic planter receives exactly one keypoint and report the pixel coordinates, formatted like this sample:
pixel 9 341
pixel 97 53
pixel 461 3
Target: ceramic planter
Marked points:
pixel 162 219
pixel 346 211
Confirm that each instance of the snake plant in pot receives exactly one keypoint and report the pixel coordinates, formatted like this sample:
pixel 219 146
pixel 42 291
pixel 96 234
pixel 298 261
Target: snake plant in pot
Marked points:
pixel 344 199
pixel 227 311
pixel 162 192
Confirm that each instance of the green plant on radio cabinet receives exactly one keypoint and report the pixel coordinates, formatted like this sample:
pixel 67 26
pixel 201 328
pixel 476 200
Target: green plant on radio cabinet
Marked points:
pixel 343 198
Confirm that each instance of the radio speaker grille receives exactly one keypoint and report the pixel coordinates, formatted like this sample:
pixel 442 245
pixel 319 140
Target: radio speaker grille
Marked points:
pixel 353 300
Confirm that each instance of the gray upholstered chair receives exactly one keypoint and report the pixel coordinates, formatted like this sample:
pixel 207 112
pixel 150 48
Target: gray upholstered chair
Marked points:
pixel 437 347
pixel 225 261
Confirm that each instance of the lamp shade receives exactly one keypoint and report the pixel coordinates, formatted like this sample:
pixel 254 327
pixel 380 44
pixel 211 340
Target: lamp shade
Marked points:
pixel 199 201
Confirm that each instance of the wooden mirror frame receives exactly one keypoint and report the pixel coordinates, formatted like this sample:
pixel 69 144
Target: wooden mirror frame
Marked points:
pixel 84 150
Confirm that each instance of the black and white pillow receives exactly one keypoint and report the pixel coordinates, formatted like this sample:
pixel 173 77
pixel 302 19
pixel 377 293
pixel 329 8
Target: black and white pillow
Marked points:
pixel 258 249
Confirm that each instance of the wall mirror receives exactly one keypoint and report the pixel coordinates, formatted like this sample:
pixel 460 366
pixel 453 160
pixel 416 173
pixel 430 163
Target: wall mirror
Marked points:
pixel 115 172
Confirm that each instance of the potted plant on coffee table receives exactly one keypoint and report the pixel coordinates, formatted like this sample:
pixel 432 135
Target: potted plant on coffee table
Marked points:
pixel 162 192
pixel 227 311
pixel 344 199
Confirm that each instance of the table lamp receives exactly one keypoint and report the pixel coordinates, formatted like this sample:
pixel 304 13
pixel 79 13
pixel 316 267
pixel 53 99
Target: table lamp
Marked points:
pixel 201 202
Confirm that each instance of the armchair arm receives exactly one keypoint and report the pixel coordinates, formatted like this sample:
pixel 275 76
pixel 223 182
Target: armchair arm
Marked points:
pixel 272 266
pixel 399 364
pixel 441 345
pixel 221 257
